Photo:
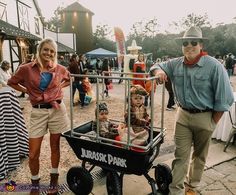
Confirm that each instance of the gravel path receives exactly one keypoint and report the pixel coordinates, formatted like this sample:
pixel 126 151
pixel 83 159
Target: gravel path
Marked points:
pixel 68 159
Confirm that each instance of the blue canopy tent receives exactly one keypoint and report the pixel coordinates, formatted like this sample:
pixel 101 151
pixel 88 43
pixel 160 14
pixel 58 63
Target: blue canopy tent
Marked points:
pixel 100 53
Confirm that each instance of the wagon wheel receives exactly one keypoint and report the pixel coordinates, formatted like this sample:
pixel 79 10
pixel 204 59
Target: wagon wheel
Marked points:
pixel 79 180
pixel 163 177
pixel 113 183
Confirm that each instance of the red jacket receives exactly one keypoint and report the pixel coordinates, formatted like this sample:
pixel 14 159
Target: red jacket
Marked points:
pixel 29 76
pixel 139 67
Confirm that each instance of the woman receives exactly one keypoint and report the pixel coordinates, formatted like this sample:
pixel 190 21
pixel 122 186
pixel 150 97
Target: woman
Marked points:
pixel 4 73
pixel 77 83
pixel 106 69
pixel 43 81
pixel 139 67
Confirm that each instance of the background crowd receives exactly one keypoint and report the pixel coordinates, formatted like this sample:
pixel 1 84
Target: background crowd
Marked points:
pixel 46 61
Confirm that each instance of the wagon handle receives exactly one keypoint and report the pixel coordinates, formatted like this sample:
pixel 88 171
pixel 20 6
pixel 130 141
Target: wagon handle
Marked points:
pixel 162 108
pixel 129 102
pixel 71 106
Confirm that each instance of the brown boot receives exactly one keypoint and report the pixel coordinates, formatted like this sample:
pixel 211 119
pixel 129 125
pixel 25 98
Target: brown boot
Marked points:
pixel 35 187
pixel 53 189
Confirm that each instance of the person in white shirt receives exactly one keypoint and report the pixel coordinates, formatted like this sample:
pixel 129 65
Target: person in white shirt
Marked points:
pixel 5 73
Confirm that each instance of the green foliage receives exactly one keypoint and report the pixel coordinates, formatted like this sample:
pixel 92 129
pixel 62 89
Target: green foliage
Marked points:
pixel 55 22
pixel 192 20
pixel 151 28
pixel 102 31
pixel 222 38
pixel 101 38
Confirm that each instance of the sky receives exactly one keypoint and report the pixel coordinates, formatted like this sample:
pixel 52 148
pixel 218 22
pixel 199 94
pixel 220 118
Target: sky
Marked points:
pixel 124 13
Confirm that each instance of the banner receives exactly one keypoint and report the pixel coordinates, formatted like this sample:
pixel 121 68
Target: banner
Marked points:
pixel 120 44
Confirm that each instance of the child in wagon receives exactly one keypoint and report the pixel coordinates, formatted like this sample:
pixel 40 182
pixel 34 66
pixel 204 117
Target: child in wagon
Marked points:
pixel 107 129
pixel 139 118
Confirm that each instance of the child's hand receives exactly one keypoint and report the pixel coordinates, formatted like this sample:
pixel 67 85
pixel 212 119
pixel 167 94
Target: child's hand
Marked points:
pixel 141 133
pixel 121 126
pixel 121 129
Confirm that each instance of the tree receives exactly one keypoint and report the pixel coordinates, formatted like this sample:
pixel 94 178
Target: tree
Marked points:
pixel 55 22
pixel 151 28
pixel 101 37
pixel 102 31
pixel 221 39
pixel 137 32
pixel 192 20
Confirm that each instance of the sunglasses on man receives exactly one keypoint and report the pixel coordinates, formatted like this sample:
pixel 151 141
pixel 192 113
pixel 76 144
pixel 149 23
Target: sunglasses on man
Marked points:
pixel 193 43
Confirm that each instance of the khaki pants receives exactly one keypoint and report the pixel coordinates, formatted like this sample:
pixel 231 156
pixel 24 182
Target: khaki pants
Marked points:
pixel 191 130
pixel 42 120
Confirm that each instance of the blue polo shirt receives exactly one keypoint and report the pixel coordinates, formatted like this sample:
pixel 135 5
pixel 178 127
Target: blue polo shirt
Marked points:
pixel 204 85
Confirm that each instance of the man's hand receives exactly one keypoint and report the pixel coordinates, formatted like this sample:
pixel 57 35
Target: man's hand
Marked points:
pixel 161 76
pixel 216 116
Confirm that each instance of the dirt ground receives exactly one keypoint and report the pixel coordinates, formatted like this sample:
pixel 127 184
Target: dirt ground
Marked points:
pixel 115 103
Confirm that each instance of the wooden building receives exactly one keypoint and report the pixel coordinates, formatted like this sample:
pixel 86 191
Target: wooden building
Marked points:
pixel 21 27
pixel 78 20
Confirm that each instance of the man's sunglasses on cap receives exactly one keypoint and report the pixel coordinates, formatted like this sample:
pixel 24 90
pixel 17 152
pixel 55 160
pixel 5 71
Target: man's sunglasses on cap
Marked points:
pixel 193 43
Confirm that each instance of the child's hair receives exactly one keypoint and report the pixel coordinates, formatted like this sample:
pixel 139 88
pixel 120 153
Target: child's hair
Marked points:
pixel 138 89
pixel 101 107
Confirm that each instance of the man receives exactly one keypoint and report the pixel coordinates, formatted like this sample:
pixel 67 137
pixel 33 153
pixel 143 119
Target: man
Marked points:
pixel 81 63
pixel 61 60
pixel 203 92
pixel 229 64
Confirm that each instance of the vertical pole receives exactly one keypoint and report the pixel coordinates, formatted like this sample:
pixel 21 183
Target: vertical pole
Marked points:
pixel 73 41
pixel 73 30
pixel 71 106
pixel 2 36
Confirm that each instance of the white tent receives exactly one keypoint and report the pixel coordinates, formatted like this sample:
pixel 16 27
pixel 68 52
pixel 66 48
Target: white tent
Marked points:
pixel 100 53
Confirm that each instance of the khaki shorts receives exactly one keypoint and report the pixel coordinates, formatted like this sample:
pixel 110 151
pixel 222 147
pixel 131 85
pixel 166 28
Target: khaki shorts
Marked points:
pixel 42 120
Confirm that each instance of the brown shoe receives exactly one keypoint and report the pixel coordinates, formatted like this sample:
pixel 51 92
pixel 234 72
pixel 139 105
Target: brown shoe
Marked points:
pixel 53 188
pixel 35 187
pixel 190 192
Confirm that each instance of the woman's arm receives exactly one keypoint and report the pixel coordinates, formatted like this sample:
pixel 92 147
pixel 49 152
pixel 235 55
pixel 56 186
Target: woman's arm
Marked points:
pixel 18 87
pixel 65 84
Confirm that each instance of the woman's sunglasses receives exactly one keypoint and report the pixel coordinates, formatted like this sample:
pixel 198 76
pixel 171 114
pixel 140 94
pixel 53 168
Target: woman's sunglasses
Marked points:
pixel 193 43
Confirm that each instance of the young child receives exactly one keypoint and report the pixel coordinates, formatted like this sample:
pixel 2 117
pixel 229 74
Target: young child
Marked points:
pixel 106 128
pixel 139 118
pixel 87 87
